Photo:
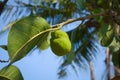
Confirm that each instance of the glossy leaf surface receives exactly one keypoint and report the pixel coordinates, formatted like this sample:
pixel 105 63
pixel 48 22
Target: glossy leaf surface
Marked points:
pixel 24 35
pixel 10 73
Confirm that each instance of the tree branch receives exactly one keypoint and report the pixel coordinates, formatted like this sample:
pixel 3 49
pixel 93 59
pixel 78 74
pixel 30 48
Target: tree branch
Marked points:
pixel 60 25
pixel 78 19
pixel 4 61
pixel 108 54
pixel 117 71
pixel 91 71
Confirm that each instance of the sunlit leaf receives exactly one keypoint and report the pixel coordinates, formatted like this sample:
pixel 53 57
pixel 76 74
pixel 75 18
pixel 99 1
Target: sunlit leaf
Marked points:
pixel 10 73
pixel 114 46
pixel 50 1
pixel 24 35
pixel 108 37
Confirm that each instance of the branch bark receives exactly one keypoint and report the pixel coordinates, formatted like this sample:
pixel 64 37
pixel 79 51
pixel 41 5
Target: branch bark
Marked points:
pixel 78 19
pixel 60 25
pixel 117 71
pixel 91 71
pixel 108 52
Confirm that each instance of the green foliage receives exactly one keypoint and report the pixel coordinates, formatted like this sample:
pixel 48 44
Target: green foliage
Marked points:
pixel 80 4
pixel 115 59
pixel 103 29
pixel 108 37
pixel 60 43
pixel 49 9
pixel 114 46
pixel 102 4
pixel 82 41
pixel 10 73
pixel 44 42
pixel 24 35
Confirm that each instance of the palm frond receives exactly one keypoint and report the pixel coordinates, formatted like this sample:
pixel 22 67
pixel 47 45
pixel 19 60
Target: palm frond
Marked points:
pixel 2 5
pixel 84 44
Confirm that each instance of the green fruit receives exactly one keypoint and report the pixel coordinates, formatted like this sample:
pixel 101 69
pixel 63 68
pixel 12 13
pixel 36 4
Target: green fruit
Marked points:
pixel 60 43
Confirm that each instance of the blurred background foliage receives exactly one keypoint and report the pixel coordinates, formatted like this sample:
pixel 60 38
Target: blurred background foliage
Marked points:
pixel 85 37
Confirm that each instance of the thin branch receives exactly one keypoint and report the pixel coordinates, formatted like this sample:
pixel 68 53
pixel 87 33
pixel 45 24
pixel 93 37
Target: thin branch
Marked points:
pixel 4 61
pixel 108 52
pixel 7 27
pixel 117 68
pixel 117 71
pixel 60 25
pixel 91 71
pixel 81 18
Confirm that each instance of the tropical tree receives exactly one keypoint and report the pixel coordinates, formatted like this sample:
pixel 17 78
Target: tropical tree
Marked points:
pixel 99 24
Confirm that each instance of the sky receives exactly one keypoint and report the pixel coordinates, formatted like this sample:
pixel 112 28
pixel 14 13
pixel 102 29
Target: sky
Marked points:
pixel 43 65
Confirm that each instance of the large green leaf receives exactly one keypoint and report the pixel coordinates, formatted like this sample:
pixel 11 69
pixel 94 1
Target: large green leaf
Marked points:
pixel 24 35
pixel 44 43
pixel 10 73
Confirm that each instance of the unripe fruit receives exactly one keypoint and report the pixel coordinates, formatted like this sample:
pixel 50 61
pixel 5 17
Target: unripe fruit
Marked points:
pixel 60 43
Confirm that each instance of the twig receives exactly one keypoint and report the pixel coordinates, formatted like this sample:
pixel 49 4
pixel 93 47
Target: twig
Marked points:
pixel 108 52
pixel 117 68
pixel 91 71
pixel 81 18
pixel 64 23
pixel 4 61
pixel 117 71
